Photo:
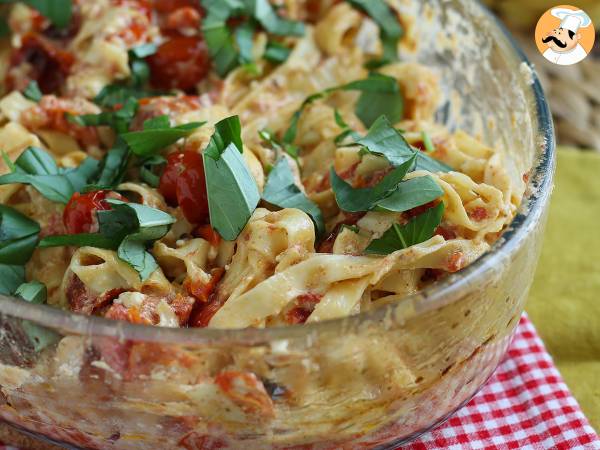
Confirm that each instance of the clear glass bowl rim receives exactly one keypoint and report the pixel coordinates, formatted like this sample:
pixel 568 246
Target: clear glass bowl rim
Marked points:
pixel 528 216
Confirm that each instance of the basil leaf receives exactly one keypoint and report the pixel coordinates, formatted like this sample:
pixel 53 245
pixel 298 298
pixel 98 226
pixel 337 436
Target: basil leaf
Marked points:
pixel 11 277
pixel 278 146
pixel 79 240
pixel 59 12
pixel 118 120
pixel 232 192
pixel 277 53
pixel 18 236
pixel 427 142
pixel 127 227
pixel 147 167
pixel 244 35
pixel 390 30
pixel 156 123
pixel 220 43
pixel 227 131
pixel 153 139
pixel 417 230
pixel 143 51
pixel 39 336
pixel 410 194
pixel 384 140
pixel 264 13
pixel 281 190
pixel 113 95
pixel 112 167
pixel 33 92
pixel 134 253
pixel 380 96
pixel 352 199
pixel 33 292
pixel 36 167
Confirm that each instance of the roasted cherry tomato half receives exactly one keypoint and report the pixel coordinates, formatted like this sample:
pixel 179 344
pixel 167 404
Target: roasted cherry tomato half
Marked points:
pixel 79 215
pixel 182 183
pixel 179 63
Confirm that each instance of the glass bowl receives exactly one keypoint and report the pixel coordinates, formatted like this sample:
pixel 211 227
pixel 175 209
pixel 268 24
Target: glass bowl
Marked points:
pixel 373 380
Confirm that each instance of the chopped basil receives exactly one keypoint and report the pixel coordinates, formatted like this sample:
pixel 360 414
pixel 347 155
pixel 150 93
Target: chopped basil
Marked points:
pixel 18 236
pixel 36 167
pixel 118 120
pixel 157 135
pixel 352 199
pixel 281 190
pixel 277 53
pixel 112 168
pixel 127 228
pixel 120 93
pixel 147 167
pixel 33 292
pixel 33 92
pixel 263 12
pixel 278 146
pixel 417 230
pixel 384 140
pixel 390 30
pixel 11 277
pixel 380 95
pixel 427 142
pixel 232 191
pixel 230 48
pixel 410 194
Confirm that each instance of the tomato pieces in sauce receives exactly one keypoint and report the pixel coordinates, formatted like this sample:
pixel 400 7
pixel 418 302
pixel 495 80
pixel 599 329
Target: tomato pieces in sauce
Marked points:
pixel 79 215
pixel 182 183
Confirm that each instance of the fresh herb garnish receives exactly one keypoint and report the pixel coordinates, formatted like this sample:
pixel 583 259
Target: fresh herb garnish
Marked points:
pixel 352 199
pixel 36 167
pixel 390 30
pixel 229 48
pixel 118 120
pixel 232 191
pixel 279 146
pixel 11 277
pixel 18 236
pixel 380 95
pixel 417 230
pixel 281 190
pixel 33 92
pixel 117 94
pixel 277 53
pixel 112 168
pixel 156 135
pixel 427 142
pixel 384 140
pixel 127 228
pixel 147 169
pixel 410 194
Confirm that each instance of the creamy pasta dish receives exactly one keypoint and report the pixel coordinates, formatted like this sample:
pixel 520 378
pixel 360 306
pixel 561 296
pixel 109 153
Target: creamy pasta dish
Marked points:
pixel 231 164
pixel 235 164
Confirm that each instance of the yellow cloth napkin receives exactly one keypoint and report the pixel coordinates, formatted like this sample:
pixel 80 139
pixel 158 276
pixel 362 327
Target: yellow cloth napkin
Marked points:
pixel 564 303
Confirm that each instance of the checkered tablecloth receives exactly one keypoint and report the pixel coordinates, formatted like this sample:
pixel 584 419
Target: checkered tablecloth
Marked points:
pixel 525 405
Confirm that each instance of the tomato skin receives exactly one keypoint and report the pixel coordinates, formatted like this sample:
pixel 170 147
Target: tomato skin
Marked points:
pixel 168 6
pixel 179 63
pixel 79 214
pixel 182 183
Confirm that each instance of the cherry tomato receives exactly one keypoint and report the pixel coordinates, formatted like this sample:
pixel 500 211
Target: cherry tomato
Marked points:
pixel 180 63
pixel 41 60
pixel 79 215
pixel 182 183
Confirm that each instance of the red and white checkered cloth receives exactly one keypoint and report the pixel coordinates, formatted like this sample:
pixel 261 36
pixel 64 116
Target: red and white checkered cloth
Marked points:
pixel 525 405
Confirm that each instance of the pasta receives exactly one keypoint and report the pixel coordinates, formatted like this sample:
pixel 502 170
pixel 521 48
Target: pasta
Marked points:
pixel 279 270
pixel 210 165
